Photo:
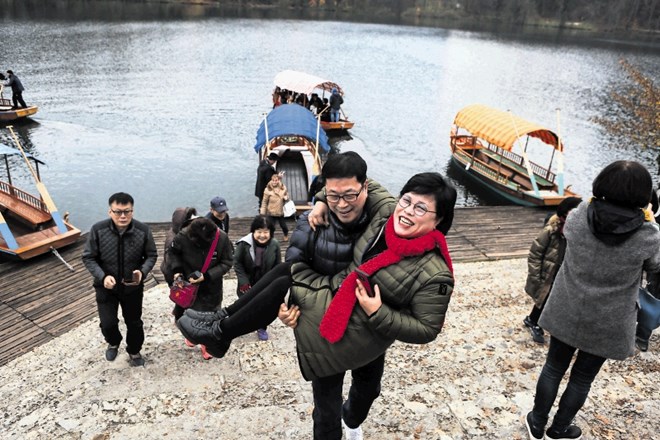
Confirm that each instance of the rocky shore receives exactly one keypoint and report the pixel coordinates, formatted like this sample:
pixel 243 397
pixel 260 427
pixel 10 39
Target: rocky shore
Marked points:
pixel 476 381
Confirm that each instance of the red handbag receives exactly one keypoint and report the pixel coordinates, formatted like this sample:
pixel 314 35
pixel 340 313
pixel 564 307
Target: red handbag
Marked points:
pixel 184 293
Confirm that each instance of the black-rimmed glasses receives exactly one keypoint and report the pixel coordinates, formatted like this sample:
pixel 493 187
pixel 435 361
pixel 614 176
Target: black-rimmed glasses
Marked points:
pixel 348 198
pixel 120 212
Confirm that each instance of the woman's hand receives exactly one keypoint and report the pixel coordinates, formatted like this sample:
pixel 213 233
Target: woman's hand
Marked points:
pixel 289 316
pixel 318 216
pixel 370 304
pixel 192 280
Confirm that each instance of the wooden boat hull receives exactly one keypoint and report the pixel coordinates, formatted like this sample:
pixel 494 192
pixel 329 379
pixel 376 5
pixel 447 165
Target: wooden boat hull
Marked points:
pixel 337 126
pixel 39 243
pixel 506 180
pixel 12 115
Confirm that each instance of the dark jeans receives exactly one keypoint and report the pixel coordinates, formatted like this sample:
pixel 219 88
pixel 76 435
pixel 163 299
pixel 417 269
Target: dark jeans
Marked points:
pixel 258 307
pixel 108 303
pixel 17 97
pixel 583 373
pixel 328 409
pixel 282 222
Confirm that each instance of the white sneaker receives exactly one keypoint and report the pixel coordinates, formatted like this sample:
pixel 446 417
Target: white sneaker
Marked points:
pixel 352 434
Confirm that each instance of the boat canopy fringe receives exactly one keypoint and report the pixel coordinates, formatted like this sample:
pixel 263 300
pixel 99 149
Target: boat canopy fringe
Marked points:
pixel 501 128
pixel 301 82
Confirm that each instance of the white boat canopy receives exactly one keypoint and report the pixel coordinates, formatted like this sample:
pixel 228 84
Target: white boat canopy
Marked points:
pixel 302 82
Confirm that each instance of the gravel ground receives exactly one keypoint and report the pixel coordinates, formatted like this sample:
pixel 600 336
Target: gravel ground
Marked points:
pixel 474 382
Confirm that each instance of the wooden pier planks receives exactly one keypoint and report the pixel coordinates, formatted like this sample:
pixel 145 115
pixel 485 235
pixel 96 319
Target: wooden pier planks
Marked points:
pixel 41 299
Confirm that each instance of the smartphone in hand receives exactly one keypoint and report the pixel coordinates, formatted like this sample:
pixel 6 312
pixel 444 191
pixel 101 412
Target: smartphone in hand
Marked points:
pixel 195 275
pixel 366 282
pixel 133 281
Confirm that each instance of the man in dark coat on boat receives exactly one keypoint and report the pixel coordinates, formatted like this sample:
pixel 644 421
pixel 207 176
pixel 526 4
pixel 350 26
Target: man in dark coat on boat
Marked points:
pixel 16 89
pixel 264 173
pixel 120 252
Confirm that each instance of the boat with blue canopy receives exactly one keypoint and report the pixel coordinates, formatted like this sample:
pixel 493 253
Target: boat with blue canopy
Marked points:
pixel 295 135
pixel 30 225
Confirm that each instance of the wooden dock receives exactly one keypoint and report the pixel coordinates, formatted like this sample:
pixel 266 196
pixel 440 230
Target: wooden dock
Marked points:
pixel 41 299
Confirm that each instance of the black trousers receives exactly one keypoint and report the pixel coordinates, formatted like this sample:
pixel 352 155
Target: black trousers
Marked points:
pixel 328 409
pixel 282 222
pixel 108 303
pixel 583 373
pixel 17 98
pixel 258 307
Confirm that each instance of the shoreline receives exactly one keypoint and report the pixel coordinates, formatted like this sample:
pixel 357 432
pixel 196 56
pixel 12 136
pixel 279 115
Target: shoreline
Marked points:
pixel 474 382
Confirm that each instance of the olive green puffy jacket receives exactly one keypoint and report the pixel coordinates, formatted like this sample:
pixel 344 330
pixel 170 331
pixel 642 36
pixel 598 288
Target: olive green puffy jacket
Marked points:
pixel 415 294
pixel 545 257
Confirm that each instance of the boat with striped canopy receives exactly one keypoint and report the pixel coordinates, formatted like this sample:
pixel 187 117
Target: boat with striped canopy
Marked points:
pixel 30 225
pixel 306 84
pixel 482 141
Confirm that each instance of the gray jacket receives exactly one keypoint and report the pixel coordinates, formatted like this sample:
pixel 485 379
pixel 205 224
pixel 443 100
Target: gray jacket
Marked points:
pixel 593 302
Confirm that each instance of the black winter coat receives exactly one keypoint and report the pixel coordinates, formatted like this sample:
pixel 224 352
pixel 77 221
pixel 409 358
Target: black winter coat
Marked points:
pixel 109 253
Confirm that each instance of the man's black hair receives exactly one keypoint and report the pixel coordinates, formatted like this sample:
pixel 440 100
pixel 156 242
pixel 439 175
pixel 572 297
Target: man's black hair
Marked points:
pixel 121 198
pixel 344 166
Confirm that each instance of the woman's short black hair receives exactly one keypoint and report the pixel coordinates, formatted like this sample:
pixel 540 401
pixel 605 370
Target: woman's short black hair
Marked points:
pixel 443 192
pixel 262 222
pixel 625 183
pixel 202 230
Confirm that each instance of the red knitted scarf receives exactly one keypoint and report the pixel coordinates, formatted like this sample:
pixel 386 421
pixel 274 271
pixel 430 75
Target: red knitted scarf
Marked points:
pixel 334 322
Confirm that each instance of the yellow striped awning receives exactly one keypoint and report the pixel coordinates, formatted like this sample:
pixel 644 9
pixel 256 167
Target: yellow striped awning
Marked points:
pixel 501 128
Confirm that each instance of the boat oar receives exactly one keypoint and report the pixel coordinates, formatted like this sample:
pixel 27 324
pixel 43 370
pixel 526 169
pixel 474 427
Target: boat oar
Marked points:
pixel 57 254
pixel 560 160
pixel 6 234
pixel 54 213
pixel 528 165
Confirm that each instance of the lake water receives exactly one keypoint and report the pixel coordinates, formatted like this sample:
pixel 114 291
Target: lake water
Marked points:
pixel 167 109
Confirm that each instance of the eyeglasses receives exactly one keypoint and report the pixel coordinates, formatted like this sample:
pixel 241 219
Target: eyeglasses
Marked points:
pixel 348 198
pixel 121 212
pixel 419 209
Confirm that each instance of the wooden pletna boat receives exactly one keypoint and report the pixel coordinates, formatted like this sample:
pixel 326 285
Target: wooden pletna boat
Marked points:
pixel 9 114
pixel 292 131
pixel 306 84
pixel 482 140
pixel 30 225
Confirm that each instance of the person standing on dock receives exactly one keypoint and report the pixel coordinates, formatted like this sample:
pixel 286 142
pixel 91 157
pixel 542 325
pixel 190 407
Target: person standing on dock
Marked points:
pixel 265 171
pixel 219 214
pixel 16 89
pixel 120 252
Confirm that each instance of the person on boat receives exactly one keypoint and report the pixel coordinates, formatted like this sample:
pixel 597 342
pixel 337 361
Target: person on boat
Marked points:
pixel 592 307
pixel 16 90
pixel 272 205
pixel 119 253
pixel 315 104
pixel 325 110
pixel 219 213
pixel 277 100
pixel 186 257
pixel 256 254
pixel 265 171
pixel 406 257
pixel 543 262
pixel 335 105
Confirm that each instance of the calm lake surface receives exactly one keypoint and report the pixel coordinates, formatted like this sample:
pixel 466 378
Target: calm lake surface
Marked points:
pixel 167 109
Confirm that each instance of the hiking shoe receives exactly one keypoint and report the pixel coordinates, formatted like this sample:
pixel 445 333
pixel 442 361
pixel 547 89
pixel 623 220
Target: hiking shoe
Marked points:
pixel 215 315
pixel 205 354
pixel 642 344
pixel 204 333
pixel 136 360
pixel 535 432
pixel 571 432
pixel 262 334
pixel 352 433
pixel 528 322
pixel 188 343
pixel 111 352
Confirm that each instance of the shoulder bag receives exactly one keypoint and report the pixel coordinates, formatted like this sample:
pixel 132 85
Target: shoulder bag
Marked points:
pixel 648 315
pixel 184 293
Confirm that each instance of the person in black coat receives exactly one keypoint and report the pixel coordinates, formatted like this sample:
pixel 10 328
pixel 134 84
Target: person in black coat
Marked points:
pixel 264 173
pixel 16 89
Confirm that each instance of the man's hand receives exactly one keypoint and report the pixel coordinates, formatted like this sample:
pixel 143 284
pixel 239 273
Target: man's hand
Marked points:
pixel 370 304
pixel 318 216
pixel 289 316
pixel 109 282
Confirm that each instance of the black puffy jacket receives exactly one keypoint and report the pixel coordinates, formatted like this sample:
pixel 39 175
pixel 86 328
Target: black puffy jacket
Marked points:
pixel 109 253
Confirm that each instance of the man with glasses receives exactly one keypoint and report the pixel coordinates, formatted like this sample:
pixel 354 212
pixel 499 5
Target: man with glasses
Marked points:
pixel 119 253
pixel 353 203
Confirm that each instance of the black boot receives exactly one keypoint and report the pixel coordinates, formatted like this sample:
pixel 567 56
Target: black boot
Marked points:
pixel 204 333
pixel 215 315
pixel 571 432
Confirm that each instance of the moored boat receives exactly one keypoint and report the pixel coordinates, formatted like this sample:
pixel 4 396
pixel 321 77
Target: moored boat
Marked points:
pixel 30 225
pixel 294 134
pixel 481 141
pixel 305 84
